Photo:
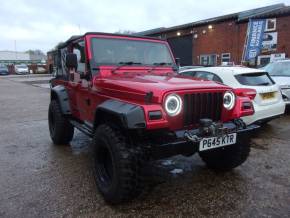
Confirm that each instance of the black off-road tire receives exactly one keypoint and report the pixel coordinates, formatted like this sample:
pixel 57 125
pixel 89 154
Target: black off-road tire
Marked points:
pixel 61 130
pixel 228 157
pixel 117 165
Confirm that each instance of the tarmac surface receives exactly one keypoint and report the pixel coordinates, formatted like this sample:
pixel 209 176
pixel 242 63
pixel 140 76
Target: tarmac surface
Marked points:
pixel 39 179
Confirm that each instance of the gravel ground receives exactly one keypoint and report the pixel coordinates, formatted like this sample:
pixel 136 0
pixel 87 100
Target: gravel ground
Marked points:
pixel 38 179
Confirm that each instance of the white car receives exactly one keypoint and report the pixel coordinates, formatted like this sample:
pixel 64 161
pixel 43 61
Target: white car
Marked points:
pixel 21 69
pixel 256 84
pixel 280 73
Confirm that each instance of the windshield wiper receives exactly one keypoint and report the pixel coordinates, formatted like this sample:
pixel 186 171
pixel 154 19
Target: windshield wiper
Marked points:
pixel 122 64
pixel 162 64
pixel 158 65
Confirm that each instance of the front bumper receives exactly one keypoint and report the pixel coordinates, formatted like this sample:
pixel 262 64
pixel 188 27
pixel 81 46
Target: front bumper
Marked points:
pixel 183 145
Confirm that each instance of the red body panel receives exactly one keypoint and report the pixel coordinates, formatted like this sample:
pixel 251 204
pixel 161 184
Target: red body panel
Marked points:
pixel 131 83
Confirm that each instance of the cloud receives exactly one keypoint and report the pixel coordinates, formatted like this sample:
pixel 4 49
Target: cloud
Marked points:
pixel 40 24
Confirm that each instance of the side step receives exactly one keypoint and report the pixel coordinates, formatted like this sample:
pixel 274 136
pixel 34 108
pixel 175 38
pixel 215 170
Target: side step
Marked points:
pixel 84 128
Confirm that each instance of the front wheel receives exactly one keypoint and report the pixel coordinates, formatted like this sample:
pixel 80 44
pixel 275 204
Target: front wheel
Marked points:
pixel 228 157
pixel 117 165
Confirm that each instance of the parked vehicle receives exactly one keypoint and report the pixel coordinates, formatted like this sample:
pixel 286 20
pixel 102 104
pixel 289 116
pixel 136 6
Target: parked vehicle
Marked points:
pixel 256 84
pixel 280 73
pixel 121 90
pixel 41 70
pixel 3 70
pixel 21 69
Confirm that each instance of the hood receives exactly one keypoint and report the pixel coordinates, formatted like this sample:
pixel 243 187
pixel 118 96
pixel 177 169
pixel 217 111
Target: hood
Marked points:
pixel 282 80
pixel 142 84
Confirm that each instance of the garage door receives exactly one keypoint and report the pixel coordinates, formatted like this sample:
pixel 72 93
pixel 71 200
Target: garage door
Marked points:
pixel 182 48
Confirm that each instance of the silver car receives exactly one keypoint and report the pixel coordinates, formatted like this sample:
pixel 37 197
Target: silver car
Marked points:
pixel 280 73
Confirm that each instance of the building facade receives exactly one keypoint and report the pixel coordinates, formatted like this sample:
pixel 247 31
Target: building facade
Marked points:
pixel 12 58
pixel 32 60
pixel 222 39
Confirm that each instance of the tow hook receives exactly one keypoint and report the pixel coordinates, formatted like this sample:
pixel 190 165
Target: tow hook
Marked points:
pixel 192 137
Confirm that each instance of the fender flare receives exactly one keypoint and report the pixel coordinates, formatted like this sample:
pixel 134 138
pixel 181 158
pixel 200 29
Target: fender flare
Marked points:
pixel 59 93
pixel 129 115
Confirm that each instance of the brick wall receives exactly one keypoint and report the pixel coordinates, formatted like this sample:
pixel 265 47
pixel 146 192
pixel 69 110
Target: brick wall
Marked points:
pixel 283 29
pixel 229 37
pixel 223 38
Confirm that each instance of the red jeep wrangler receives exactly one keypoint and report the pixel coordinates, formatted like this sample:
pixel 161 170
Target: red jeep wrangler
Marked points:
pixel 124 92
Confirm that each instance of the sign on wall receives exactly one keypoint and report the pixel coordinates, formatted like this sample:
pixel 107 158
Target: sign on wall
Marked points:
pixel 256 29
pixel 269 42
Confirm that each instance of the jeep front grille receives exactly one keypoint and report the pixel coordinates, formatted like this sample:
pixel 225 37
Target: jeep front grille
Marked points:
pixel 202 105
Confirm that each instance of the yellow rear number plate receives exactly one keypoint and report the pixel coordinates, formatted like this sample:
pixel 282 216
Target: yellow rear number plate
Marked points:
pixel 268 95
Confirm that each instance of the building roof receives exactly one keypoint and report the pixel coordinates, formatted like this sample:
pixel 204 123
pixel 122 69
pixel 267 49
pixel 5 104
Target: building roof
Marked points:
pixel 12 55
pixel 268 11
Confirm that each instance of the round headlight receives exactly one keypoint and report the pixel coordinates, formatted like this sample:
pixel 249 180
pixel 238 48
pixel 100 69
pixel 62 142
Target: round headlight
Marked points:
pixel 229 100
pixel 173 104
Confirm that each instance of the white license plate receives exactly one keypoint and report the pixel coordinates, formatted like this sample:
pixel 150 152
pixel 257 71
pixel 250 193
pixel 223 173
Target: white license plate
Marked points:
pixel 216 142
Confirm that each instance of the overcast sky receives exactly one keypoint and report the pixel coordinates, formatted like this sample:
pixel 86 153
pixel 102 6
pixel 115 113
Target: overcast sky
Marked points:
pixel 41 24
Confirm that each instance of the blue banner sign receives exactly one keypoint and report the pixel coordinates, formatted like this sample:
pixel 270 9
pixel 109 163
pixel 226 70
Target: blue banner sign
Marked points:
pixel 256 30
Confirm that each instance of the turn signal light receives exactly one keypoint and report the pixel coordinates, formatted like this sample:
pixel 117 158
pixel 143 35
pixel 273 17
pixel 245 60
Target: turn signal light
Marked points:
pixel 155 115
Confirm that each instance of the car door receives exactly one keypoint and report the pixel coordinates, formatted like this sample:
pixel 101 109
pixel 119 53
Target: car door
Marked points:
pixel 83 95
pixel 65 77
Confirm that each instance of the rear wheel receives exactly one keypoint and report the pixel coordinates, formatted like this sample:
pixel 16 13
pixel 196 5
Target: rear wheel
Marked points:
pixel 117 165
pixel 61 130
pixel 229 157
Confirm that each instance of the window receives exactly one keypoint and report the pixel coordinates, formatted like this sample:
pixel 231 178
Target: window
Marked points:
pixel 61 67
pixel 255 79
pixel 79 50
pixel 207 76
pixel 263 60
pixel 208 60
pixel 278 68
pixel 188 73
pixel 117 51
pixel 226 57
pixel 270 24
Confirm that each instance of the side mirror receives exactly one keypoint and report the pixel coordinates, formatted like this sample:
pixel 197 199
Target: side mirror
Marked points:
pixel 71 61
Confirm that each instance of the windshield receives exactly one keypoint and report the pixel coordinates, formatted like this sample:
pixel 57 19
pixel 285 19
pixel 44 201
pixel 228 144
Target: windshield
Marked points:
pixel 120 51
pixel 278 69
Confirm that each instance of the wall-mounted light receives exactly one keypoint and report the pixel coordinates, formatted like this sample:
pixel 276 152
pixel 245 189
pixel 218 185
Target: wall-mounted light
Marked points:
pixel 204 32
pixel 195 36
pixel 210 27
pixel 178 33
